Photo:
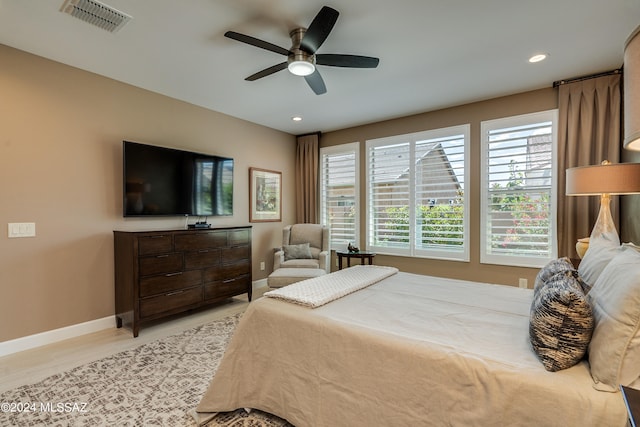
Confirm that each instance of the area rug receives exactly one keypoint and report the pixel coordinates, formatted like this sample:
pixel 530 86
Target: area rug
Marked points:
pixel 155 384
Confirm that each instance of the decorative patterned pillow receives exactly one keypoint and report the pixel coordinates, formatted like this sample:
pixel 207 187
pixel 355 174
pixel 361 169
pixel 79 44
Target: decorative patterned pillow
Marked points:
pixel 614 352
pixel 301 251
pixel 561 322
pixel 553 267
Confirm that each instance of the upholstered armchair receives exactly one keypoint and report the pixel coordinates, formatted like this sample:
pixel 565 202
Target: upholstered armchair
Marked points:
pixel 304 246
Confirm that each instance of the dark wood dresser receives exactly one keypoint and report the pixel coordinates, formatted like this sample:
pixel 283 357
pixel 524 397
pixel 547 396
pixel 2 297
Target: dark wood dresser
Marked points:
pixel 160 273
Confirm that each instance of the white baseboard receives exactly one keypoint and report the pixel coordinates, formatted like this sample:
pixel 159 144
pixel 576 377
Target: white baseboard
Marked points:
pixel 259 284
pixel 50 337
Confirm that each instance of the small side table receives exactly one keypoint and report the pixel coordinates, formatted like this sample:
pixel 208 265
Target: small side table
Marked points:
pixel 360 254
pixel 632 400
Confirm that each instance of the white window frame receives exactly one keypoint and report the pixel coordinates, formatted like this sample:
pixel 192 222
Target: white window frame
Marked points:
pixel 521 120
pixel 353 147
pixel 413 139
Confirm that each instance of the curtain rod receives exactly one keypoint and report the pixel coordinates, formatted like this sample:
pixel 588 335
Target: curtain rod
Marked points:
pixel 591 76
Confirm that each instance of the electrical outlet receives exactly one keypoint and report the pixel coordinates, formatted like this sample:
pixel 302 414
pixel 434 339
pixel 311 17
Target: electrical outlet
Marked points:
pixel 523 283
pixel 262 266
pixel 21 229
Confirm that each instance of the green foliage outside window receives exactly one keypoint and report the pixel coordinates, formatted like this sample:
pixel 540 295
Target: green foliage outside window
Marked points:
pixel 529 215
pixel 442 224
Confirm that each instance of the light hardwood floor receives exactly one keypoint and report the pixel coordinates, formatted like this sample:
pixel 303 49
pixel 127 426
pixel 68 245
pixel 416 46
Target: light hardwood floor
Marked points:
pixel 33 365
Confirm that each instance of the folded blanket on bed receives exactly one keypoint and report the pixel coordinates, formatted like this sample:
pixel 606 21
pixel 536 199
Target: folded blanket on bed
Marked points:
pixel 320 290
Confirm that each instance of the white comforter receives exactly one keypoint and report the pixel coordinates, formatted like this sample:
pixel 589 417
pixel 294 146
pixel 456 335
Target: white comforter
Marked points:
pixel 409 350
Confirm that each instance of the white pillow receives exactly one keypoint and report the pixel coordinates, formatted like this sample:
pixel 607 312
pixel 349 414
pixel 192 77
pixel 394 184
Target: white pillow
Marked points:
pixel 601 251
pixel 614 351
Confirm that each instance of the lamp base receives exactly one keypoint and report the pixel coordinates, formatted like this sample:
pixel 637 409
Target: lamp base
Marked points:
pixel 604 227
pixel 581 246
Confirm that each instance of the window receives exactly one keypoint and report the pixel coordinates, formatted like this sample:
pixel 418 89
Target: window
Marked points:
pixel 519 190
pixel 417 203
pixel 339 198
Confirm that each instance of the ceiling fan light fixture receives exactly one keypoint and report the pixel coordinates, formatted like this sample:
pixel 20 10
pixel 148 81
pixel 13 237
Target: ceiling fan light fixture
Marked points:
pixel 301 68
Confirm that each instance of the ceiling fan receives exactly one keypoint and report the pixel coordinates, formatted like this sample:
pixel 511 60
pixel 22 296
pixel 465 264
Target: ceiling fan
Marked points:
pixel 302 57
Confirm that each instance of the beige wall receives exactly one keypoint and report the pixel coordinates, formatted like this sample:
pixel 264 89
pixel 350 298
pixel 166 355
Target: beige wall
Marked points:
pixel 544 99
pixel 61 131
pixel 60 166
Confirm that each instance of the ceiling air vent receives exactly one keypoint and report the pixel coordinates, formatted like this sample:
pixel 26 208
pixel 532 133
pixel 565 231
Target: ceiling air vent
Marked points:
pixel 96 13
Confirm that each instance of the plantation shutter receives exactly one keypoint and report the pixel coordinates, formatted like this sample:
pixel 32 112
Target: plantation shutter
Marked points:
pixel 439 187
pixel 519 190
pixel 389 197
pixel 339 195
pixel 417 203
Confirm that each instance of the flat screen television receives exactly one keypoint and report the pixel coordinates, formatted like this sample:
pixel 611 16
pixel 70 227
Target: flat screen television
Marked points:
pixel 161 181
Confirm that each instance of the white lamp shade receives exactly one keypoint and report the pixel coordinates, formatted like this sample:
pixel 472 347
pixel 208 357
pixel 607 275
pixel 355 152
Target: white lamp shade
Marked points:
pixel 632 91
pixel 620 178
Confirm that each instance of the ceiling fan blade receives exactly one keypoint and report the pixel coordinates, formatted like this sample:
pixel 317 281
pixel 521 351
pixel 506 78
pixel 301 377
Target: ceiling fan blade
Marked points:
pixel 256 42
pixel 319 29
pixel 316 83
pixel 267 72
pixel 351 61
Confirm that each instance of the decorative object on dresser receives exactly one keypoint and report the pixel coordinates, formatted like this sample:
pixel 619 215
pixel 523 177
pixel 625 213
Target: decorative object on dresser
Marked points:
pixel 160 273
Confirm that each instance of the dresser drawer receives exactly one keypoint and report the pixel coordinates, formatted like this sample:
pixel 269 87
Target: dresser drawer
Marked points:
pixel 167 263
pixel 170 301
pixel 156 244
pixel 227 288
pixel 236 253
pixel 202 258
pixel 236 269
pixel 227 271
pixel 239 237
pixel 201 240
pixel 168 282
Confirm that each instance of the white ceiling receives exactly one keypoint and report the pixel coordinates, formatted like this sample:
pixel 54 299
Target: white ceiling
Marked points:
pixel 433 53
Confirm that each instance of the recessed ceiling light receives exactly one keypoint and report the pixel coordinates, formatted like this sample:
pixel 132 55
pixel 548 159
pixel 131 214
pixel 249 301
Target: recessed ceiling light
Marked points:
pixel 538 57
pixel 296 118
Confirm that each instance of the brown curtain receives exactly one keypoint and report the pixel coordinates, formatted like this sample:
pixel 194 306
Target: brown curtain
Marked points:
pixel 307 179
pixel 589 132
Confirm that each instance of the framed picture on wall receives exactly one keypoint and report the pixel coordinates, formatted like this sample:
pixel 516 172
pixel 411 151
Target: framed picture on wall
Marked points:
pixel 265 195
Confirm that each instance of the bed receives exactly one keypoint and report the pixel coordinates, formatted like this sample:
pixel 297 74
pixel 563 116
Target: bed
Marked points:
pixel 405 350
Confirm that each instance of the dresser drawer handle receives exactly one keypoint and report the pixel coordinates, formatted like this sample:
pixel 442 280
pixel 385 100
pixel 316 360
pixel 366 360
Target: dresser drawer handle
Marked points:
pixel 173 274
pixel 174 293
pixel 158 237
pixel 228 280
pixel 161 256
pixel 203 251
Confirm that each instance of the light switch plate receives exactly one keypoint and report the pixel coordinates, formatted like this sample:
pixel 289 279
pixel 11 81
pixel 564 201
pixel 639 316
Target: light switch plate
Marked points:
pixel 21 229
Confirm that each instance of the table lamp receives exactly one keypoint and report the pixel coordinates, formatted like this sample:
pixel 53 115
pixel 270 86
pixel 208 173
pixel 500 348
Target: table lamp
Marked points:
pixel 602 180
pixel 632 91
